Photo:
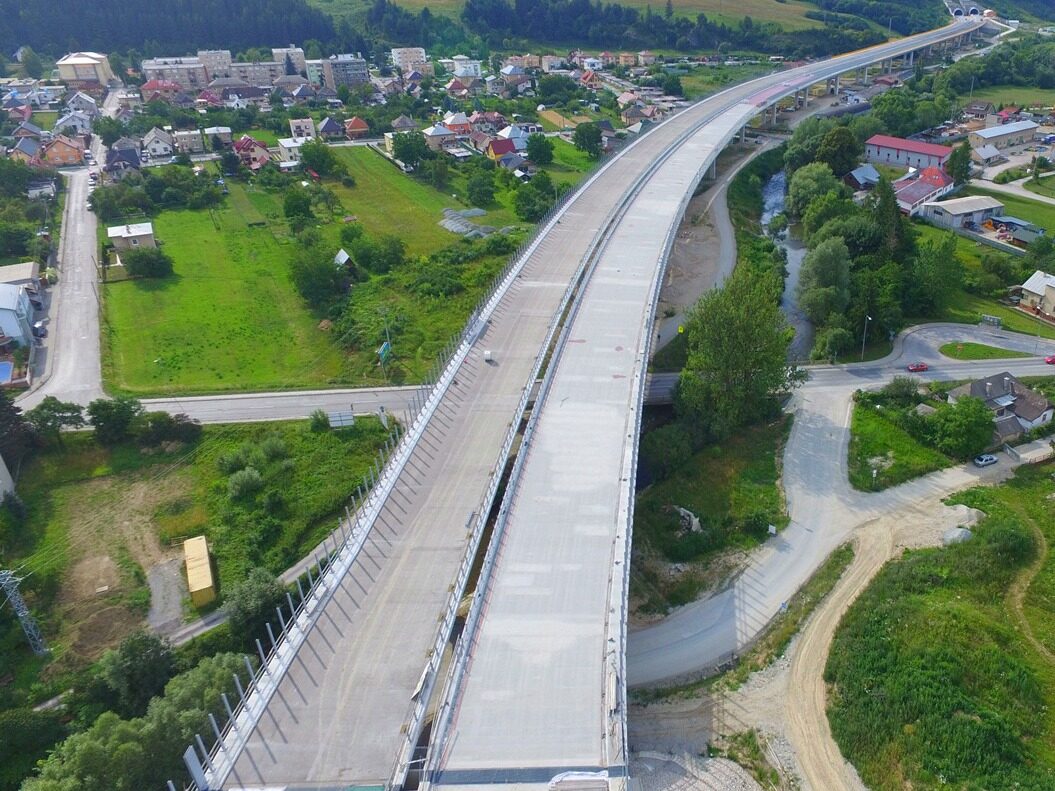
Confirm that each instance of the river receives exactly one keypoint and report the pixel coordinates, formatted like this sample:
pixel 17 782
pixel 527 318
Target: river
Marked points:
pixel 773 200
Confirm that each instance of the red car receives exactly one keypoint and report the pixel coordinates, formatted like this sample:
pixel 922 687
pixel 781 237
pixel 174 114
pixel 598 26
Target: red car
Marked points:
pixel 1050 359
pixel 917 367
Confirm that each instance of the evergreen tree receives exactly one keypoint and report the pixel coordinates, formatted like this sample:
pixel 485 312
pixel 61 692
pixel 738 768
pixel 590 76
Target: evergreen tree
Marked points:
pixel 16 433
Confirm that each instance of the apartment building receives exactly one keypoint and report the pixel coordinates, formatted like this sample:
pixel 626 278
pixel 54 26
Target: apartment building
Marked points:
pixel 408 59
pixel 186 71
pixel 259 73
pixel 350 70
pixel 295 54
pixel 217 62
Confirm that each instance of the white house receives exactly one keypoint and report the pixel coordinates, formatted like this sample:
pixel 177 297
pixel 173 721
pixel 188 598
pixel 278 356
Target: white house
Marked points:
pixel 80 122
pixel 188 141
pixel 15 313
pixel 1038 292
pixel 221 133
pixel 158 143
pixel 289 148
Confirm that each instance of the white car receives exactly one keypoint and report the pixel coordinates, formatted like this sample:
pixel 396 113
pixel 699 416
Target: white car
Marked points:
pixel 985 460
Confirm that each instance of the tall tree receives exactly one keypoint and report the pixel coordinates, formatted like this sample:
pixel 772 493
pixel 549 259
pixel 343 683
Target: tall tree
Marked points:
pixel 16 433
pixel 738 344
pixel 112 418
pixel 839 149
pixel 31 64
pixel 810 182
pixel 587 138
pixel 936 275
pixel 250 604
pixel 51 416
pixel 959 163
pixel 136 671
pixel 539 149
pixel 824 286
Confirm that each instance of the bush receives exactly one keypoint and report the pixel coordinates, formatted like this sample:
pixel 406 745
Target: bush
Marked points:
pixel 244 483
pixel 320 421
pixel 147 262
pixel 113 418
pixel 666 449
pixel 153 428
pixel 274 448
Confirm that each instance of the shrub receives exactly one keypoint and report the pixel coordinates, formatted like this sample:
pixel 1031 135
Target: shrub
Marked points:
pixel 153 428
pixel 320 421
pixel 274 448
pixel 147 262
pixel 244 483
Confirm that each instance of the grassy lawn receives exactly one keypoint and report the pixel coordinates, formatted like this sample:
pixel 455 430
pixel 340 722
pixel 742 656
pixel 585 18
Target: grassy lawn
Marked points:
pixel 790 14
pixel 1045 187
pixel 734 490
pixel 265 136
pixel 1017 95
pixel 570 165
pixel 877 443
pixel 936 674
pixel 1036 212
pixel 706 80
pixel 98 518
pixel 45 119
pixel 228 319
pixel 978 351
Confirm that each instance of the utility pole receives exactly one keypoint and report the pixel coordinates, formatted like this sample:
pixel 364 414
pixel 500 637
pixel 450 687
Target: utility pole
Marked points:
pixel 864 337
pixel 9 582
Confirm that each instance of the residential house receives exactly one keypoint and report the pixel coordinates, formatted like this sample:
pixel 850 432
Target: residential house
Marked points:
pixel 978 109
pixel 458 123
pixel 163 90
pixel 221 133
pixel 987 155
pixel 329 128
pixel 517 133
pixel 21 111
pixel 289 149
pixel 124 116
pixel 126 144
pixel 290 82
pixel 83 103
pixel 489 121
pixel 251 152
pixel 592 64
pixel 628 59
pixel 26 150
pixel 887 150
pixel 631 115
pixel 645 58
pixel 1013 134
pixel 355 127
pixel 302 127
pixel 129 99
pixel 1015 407
pixel 920 187
pixel 78 122
pixel 438 137
pixel 158 143
pixel 970 212
pixel 188 141
pixel 62 151
pixel 27 129
pixel 121 161
pixel 499 147
pixel 864 177
pixel 627 97
pixel 456 89
pixel 551 62
pixel 25 274
pixel 479 141
pixel 1038 293
pixel 208 98
pixel 404 124
pixel 303 94
pixel 131 237
pixel 15 314
pixel 222 84
pixel 590 79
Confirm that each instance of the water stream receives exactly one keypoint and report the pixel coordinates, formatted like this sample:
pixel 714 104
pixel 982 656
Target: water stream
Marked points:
pixel 773 200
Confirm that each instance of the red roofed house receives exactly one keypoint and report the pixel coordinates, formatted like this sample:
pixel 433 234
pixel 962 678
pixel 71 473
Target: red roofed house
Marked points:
pixel 499 147
pixel 253 154
pixel 920 187
pixel 886 150
pixel 159 89
pixel 590 80
pixel 61 151
pixel 456 89
pixel 356 127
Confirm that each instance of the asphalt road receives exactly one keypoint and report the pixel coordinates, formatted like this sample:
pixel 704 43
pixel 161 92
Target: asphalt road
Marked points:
pixel 68 363
pixel 825 510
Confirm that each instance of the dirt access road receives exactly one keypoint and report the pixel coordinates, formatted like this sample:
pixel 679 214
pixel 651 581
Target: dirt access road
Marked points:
pixel 821 765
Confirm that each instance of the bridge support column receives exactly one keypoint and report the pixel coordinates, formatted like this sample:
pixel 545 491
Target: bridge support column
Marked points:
pixel 743 134
pixel 712 172
pixel 837 81
pixel 912 58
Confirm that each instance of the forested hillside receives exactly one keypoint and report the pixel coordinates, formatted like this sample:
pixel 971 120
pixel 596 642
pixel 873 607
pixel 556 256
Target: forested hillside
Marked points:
pixel 172 27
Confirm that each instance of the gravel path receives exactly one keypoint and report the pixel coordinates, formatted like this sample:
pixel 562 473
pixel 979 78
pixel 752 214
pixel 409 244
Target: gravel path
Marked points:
pixel 166 596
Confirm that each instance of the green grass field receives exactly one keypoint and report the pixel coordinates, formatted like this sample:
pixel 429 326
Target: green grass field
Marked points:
pixel 1036 212
pixel 937 674
pixel 726 486
pixel 877 443
pixel 45 119
pixel 228 319
pixel 1016 95
pixel 706 80
pixel 978 351
pixel 789 13
pixel 1045 187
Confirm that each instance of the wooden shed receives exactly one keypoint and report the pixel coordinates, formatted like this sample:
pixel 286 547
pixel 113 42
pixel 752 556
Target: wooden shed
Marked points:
pixel 199 571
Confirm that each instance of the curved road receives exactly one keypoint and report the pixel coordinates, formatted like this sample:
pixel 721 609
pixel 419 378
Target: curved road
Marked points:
pixel 825 510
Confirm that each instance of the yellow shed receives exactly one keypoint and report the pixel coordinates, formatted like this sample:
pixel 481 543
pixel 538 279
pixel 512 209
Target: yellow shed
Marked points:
pixel 199 571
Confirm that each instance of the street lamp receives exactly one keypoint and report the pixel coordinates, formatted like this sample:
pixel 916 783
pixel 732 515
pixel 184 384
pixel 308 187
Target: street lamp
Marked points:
pixel 864 337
